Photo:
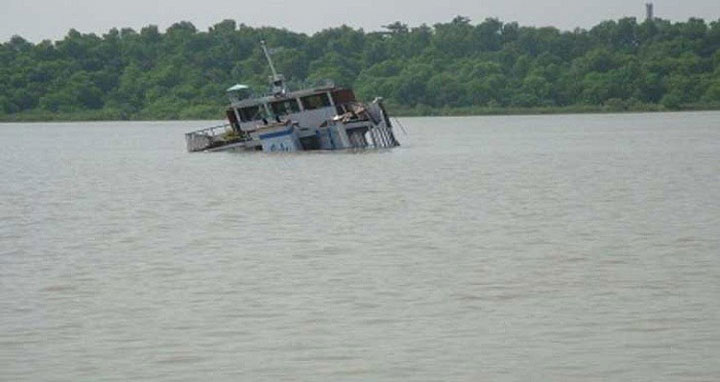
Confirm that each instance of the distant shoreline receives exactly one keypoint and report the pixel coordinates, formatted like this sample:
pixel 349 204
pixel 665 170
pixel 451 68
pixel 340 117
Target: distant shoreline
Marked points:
pixel 486 68
pixel 550 110
pixel 394 110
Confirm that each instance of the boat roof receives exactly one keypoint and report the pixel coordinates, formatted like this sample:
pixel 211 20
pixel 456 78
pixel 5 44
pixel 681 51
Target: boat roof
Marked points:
pixel 237 87
pixel 289 95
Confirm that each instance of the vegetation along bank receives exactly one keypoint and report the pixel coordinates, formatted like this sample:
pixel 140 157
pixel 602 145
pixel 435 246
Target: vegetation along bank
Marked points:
pixel 449 68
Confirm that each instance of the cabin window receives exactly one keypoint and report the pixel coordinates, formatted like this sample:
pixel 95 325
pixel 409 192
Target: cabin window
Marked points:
pixel 251 113
pixel 285 107
pixel 315 101
pixel 343 96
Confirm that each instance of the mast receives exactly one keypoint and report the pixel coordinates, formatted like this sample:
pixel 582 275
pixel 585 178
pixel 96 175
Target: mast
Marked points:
pixel 277 80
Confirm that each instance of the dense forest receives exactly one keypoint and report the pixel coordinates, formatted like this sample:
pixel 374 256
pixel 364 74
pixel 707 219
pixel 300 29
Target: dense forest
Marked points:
pixel 455 67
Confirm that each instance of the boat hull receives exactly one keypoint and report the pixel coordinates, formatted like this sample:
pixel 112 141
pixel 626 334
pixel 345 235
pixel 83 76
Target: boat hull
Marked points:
pixel 363 127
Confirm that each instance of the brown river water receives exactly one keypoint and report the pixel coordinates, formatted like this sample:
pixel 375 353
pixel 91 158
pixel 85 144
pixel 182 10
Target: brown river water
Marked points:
pixel 538 248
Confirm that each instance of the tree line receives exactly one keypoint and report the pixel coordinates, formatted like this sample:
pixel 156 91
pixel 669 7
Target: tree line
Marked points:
pixel 183 72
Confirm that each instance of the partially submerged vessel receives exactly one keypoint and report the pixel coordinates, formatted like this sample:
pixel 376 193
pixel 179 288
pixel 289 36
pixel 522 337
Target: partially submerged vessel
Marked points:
pixel 319 118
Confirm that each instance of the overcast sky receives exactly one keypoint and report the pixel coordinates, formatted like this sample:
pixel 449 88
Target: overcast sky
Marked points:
pixel 51 19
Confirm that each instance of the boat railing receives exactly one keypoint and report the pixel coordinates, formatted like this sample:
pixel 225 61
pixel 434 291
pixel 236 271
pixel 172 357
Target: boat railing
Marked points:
pixel 211 131
pixel 214 136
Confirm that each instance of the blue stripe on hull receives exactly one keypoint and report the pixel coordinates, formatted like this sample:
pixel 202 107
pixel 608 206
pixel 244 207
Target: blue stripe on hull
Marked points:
pixel 276 134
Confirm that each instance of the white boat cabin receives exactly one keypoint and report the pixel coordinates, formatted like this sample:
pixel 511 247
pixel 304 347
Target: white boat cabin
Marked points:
pixel 309 108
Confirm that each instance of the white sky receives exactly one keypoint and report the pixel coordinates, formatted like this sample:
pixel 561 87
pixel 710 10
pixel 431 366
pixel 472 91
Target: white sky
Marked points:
pixel 51 19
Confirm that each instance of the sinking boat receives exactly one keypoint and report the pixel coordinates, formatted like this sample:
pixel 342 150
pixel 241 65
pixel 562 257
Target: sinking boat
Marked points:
pixel 319 118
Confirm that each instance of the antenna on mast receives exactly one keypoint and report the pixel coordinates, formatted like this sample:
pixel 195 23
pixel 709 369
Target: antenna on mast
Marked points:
pixel 649 12
pixel 277 80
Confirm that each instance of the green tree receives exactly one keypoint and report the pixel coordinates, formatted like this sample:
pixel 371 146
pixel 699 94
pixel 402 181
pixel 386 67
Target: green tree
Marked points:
pixel 617 64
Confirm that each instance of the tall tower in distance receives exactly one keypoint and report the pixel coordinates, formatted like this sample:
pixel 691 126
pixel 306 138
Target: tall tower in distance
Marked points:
pixel 649 12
